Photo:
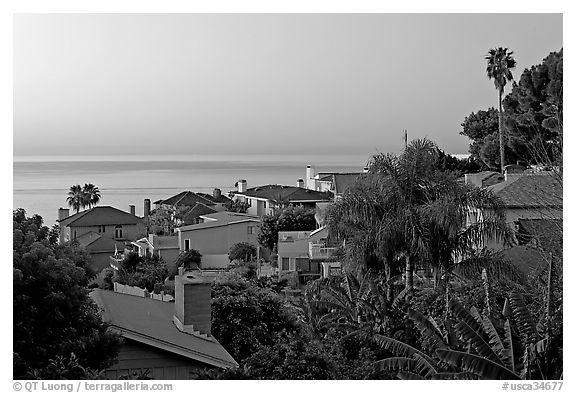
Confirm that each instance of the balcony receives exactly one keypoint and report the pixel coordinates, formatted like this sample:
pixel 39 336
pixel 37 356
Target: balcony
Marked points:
pixel 319 251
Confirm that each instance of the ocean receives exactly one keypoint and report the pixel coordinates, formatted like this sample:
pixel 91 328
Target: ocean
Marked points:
pixel 41 184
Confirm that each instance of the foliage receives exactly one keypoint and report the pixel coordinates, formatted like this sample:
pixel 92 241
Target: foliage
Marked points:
pixel 288 219
pixel 242 252
pixel 65 368
pixel 53 315
pixel 499 68
pixel 246 317
pixel 405 212
pixel 189 259
pixel 80 197
pixel 532 116
pixel 144 272
pixel 237 206
pixel 477 345
pixel 534 111
pixel 164 219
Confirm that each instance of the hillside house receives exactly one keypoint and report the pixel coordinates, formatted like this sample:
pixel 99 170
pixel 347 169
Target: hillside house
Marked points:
pixel 101 230
pixel 263 200
pixel 334 182
pixel 217 234
pixel 167 340
pixel 307 253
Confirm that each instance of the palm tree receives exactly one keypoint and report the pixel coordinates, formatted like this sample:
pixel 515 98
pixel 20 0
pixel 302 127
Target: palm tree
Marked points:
pixel 500 64
pixel 405 210
pixel 91 195
pixel 75 197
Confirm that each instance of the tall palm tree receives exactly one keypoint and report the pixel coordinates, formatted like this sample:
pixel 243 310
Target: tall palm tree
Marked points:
pixel 500 66
pixel 75 197
pixel 91 195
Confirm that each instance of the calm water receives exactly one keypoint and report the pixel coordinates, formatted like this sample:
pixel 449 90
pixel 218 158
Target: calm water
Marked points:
pixel 41 187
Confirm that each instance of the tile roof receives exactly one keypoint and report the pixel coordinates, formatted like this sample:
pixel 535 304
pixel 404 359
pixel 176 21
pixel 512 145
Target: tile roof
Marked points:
pixel 185 198
pixel 279 193
pixel 101 215
pixel 150 322
pixel 220 219
pixel 211 198
pixel 530 191
pixel 94 242
pixel 195 212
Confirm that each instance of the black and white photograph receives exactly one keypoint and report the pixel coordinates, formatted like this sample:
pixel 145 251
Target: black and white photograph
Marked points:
pixel 287 196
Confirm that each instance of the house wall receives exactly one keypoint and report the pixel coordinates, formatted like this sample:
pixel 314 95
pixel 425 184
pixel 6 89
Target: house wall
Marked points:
pixel 169 255
pixel 135 357
pixel 215 242
pixel 298 249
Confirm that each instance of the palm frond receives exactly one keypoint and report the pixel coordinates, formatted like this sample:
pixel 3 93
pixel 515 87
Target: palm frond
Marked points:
pixel 478 365
pixel 467 334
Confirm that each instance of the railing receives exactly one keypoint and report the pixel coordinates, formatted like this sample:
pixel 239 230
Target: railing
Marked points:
pixel 319 251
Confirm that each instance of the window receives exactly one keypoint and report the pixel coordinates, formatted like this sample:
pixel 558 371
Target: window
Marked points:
pixel 251 230
pixel 118 231
pixel 101 228
pixel 265 204
pixel 302 264
pixel 285 263
pixel 187 245
pixel 74 234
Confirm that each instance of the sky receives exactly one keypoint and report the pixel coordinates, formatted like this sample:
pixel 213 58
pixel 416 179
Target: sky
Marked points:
pixel 266 84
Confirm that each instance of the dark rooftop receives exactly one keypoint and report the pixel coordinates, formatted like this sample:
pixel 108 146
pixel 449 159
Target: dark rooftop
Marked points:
pixel 150 322
pixel 101 215
pixel 530 191
pixel 279 193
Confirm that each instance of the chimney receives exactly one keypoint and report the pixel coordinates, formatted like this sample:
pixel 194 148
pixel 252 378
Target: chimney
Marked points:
pixel 473 178
pixel 242 185
pixel 217 193
pixel 146 207
pixel 63 213
pixel 513 172
pixel 192 309
pixel 300 183
pixel 310 183
pixel 365 170
pixel 133 210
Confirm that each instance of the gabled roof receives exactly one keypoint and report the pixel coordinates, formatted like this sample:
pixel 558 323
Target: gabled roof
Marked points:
pixel 530 191
pixel 220 219
pixel 94 242
pixel 546 234
pixel 279 193
pixel 198 210
pixel 185 198
pixel 100 215
pixel 150 322
pixel 211 198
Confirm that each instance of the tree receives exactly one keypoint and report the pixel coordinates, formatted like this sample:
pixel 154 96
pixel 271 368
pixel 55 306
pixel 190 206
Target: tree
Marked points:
pixel 245 317
pixel 91 195
pixel 534 110
pixel 76 198
pixel 242 252
pixel 189 259
pixel 237 206
pixel 53 315
pixel 288 219
pixel 407 211
pixel 500 66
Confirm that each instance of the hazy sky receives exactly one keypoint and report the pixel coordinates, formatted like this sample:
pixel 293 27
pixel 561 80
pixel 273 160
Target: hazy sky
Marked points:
pixel 98 84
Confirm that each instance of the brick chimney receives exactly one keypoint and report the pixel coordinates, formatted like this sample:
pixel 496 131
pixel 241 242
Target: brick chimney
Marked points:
pixel 242 185
pixel 192 308
pixel 133 210
pixel 63 213
pixel 365 170
pixel 300 183
pixel 217 193
pixel 146 207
